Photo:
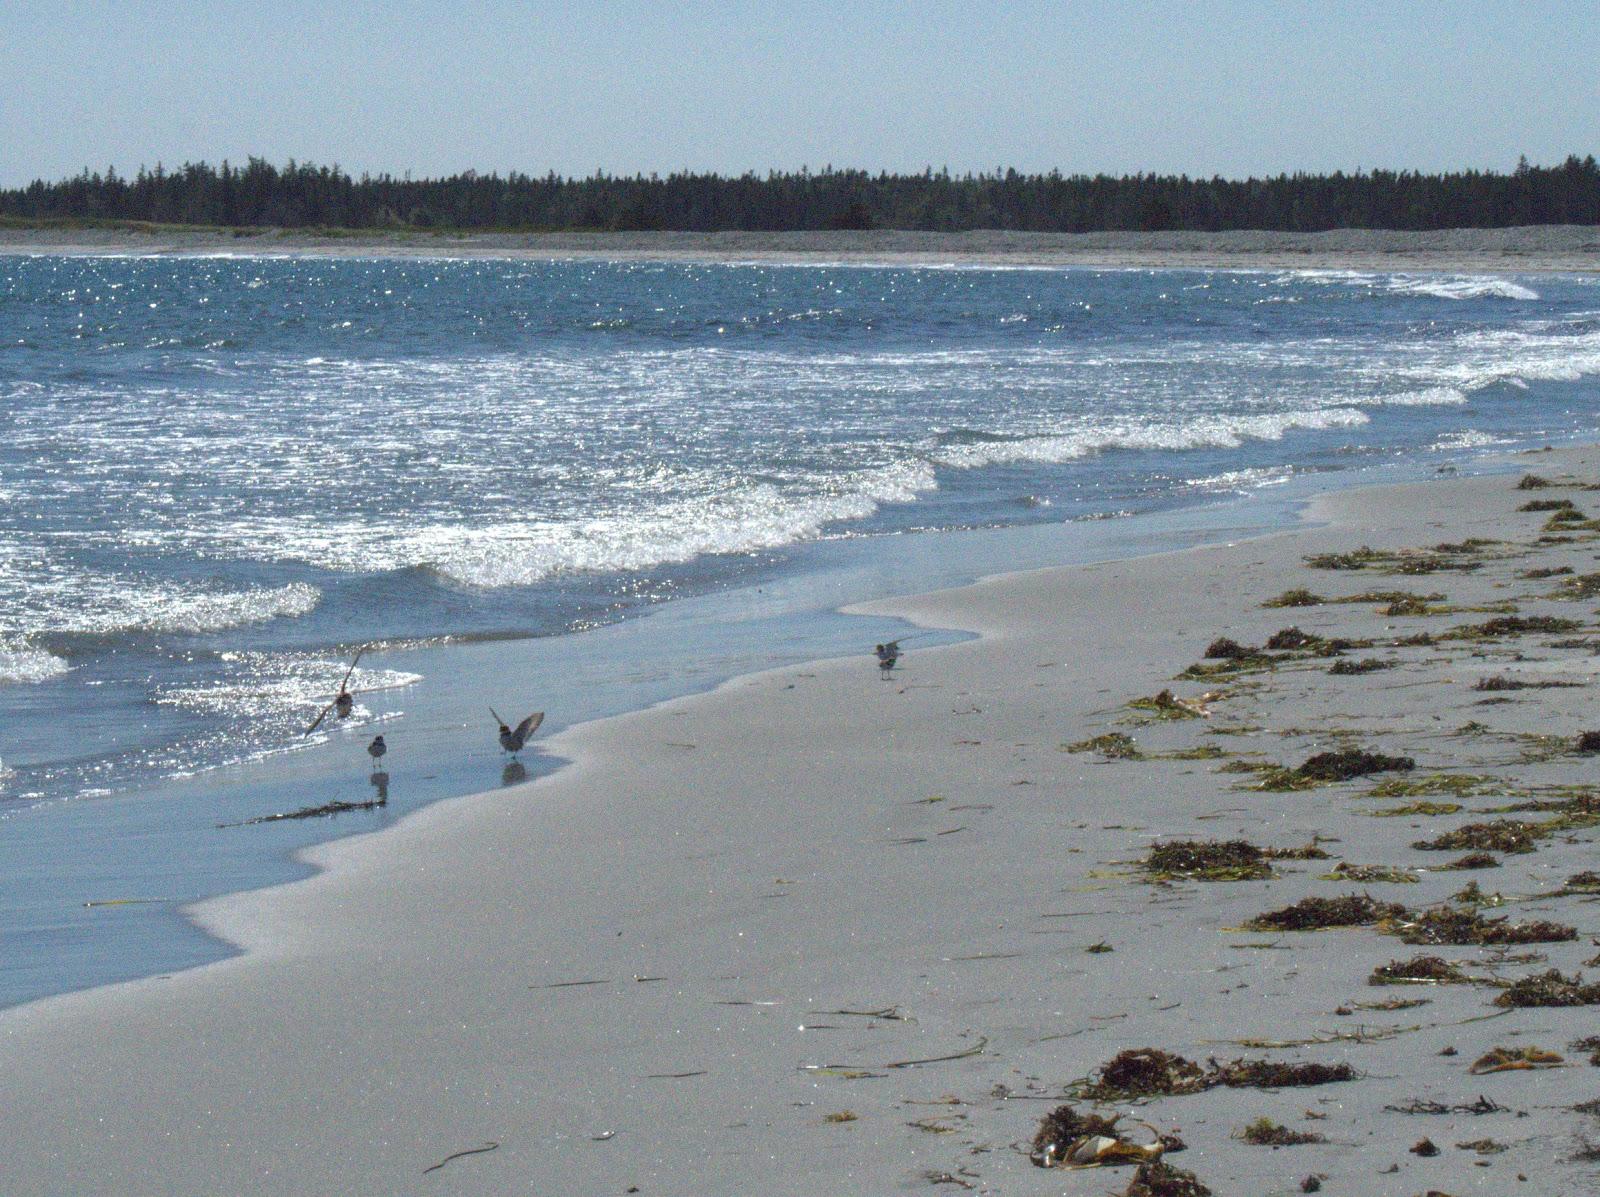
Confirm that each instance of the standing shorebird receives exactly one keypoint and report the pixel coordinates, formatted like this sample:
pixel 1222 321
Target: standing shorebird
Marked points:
pixel 376 749
pixel 888 654
pixel 343 702
pixel 514 741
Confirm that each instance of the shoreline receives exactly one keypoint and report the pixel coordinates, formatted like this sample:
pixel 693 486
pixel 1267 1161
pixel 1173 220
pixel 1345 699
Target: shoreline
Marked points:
pixel 1544 249
pixel 723 885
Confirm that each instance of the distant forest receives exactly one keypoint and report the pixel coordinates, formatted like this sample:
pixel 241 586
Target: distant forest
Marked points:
pixel 306 196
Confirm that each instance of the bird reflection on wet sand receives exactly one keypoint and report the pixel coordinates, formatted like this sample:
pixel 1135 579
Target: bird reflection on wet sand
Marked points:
pixel 514 772
pixel 380 782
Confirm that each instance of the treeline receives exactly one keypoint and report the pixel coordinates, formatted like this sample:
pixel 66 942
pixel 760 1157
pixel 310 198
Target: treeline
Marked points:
pixel 306 196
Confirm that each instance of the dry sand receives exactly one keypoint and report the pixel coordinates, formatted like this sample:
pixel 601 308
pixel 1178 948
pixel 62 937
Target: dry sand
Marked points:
pixel 1536 249
pixel 822 932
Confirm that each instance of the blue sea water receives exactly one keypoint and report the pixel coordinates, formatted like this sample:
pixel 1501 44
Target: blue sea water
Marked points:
pixel 589 486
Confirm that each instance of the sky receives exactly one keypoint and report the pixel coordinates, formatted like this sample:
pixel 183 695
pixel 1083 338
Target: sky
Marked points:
pixel 1202 87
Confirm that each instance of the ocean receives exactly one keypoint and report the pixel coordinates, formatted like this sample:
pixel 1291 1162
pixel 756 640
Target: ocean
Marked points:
pixel 585 487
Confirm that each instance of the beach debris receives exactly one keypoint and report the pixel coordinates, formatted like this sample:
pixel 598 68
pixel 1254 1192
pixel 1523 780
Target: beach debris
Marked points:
pixel 1273 1074
pixel 456 1155
pixel 1591 1044
pixel 1160 1179
pixel 1419 970
pixel 1165 705
pixel 1360 666
pixel 1534 575
pixel 1314 914
pixel 1425 1147
pixel 326 810
pixel 1514 1059
pixel 1264 1132
pixel 1453 926
pixel 1297 597
pixel 841 1116
pixel 1309 851
pixel 1345 871
pixel 1548 505
pixel 976 1050
pixel 1586 882
pixel 1207 860
pixel 1115 746
pixel 1483 1146
pixel 1588 742
pixel 1549 988
pixel 1472 860
pixel 1411 604
pixel 1355 559
pixel 1100 947
pixel 1313 1183
pixel 1471 894
pixel 1579 586
pixel 1482 1106
pixel 1533 482
pixel 1068 1139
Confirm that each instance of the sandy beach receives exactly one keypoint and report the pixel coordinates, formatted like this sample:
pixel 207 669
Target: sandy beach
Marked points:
pixel 1536 249
pixel 826 931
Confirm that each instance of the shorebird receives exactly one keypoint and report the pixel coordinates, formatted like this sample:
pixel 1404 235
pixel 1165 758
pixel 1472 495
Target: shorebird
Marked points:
pixel 513 741
pixel 376 749
pixel 343 702
pixel 888 654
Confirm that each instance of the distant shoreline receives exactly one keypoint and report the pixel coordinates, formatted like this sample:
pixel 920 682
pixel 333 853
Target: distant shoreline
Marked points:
pixel 1539 249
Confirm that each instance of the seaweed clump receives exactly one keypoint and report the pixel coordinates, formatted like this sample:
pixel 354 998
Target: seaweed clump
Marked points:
pixel 1160 1179
pixel 1419 970
pixel 1061 1128
pixel 1345 871
pixel 1291 638
pixel 1298 597
pixel 1145 1072
pixel 1346 763
pixel 1264 1132
pixel 1314 914
pixel 1588 742
pixel 1515 1059
pixel 1512 625
pixel 1225 649
pixel 1364 665
pixel 1150 1072
pixel 1549 989
pixel 1113 745
pixel 1501 835
pixel 1450 925
pixel 1586 882
pixel 1166 705
pixel 1533 482
pixel 1472 860
pixel 1208 860
pixel 1547 505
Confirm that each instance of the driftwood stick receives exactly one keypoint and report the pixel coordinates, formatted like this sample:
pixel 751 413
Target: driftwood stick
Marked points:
pixel 456 1155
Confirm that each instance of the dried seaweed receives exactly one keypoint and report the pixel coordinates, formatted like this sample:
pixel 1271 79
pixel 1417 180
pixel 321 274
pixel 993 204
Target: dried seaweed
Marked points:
pixel 1482 1106
pixel 1586 882
pixel 1580 586
pixel 1312 914
pixel 1459 785
pixel 1224 649
pixel 1533 482
pixel 1355 559
pixel 1501 835
pixel 1549 988
pixel 1273 1074
pixel 1419 970
pixel 1450 925
pixel 1417 808
pixel 325 811
pixel 1588 742
pixel 1165 705
pixel 1264 1132
pixel 1145 1072
pixel 1547 505
pixel 1510 625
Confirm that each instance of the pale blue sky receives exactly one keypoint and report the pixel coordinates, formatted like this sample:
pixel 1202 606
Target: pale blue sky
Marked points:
pixel 1203 87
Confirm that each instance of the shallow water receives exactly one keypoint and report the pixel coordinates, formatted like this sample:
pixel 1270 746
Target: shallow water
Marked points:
pixel 219 474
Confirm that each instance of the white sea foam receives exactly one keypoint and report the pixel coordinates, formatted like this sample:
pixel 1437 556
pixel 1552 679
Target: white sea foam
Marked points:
pixel 266 686
pixel 1214 431
pixel 21 662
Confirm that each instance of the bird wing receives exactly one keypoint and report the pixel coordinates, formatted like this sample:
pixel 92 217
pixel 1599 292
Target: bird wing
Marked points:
pixel 529 725
pixel 321 715
pixel 352 669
